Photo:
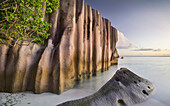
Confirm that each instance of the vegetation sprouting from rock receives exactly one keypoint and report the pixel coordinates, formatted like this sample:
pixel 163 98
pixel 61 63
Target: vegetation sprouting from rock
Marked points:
pixel 23 20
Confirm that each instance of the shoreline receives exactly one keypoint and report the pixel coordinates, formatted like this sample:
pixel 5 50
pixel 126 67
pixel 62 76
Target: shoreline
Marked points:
pixel 86 88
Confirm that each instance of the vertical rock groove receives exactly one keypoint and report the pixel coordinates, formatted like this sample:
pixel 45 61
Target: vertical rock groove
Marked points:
pixel 82 44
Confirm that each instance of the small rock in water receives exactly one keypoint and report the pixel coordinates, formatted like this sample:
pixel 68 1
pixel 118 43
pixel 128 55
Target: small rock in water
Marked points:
pixel 123 89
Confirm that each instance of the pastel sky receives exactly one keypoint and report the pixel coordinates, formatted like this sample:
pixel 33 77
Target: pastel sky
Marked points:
pixel 145 25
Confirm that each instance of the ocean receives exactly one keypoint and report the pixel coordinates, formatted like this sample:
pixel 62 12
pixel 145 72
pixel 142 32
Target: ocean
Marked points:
pixel 155 69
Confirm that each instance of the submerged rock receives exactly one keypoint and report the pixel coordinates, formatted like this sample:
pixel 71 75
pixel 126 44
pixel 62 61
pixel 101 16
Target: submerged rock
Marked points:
pixel 122 57
pixel 123 89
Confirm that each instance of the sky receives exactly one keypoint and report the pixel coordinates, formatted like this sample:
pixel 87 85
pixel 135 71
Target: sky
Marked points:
pixel 144 25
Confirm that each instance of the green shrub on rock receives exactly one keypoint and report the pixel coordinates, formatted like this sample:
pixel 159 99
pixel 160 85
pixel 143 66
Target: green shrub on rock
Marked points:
pixel 23 20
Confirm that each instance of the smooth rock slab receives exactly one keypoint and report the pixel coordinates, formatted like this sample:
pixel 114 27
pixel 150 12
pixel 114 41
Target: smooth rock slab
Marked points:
pixel 123 89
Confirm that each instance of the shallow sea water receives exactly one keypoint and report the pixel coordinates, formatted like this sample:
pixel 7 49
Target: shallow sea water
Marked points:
pixel 155 69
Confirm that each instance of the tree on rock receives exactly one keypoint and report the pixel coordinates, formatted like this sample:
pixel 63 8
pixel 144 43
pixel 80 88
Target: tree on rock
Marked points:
pixel 23 20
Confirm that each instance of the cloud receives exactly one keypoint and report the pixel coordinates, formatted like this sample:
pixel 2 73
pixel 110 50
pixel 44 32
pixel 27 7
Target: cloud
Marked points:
pixel 147 49
pixel 157 50
pixel 123 42
pixel 166 49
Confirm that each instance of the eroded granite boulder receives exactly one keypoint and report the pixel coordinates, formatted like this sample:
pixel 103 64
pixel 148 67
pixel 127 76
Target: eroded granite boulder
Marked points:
pixel 81 44
pixel 123 89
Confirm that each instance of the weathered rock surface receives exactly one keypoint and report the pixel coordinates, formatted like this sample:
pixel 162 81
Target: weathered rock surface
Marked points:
pixel 81 45
pixel 124 89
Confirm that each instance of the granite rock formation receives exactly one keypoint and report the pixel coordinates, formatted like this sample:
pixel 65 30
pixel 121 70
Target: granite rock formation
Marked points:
pixel 81 45
pixel 124 89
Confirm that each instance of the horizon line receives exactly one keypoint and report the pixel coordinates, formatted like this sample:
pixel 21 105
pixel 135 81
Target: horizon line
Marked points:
pixel 143 56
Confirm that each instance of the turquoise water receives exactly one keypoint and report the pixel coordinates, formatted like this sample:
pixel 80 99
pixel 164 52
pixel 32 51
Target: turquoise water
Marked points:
pixel 157 70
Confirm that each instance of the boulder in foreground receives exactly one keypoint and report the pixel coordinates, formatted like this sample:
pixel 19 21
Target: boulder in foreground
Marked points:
pixel 123 89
